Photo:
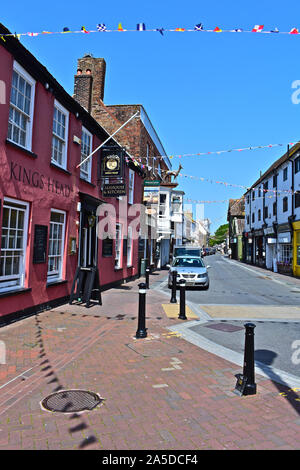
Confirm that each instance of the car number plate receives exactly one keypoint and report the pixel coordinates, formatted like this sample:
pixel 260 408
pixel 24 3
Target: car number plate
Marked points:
pixel 190 283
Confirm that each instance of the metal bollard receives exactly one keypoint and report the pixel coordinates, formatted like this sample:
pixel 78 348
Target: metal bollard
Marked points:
pixel 246 382
pixel 147 277
pixel 142 330
pixel 182 315
pixel 174 279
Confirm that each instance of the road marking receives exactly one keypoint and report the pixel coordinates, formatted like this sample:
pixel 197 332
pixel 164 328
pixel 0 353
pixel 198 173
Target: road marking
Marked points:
pixel 268 276
pixel 172 311
pixel 276 375
pixel 253 311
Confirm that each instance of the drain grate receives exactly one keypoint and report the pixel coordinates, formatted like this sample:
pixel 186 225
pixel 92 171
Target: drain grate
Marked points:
pixel 227 327
pixel 71 401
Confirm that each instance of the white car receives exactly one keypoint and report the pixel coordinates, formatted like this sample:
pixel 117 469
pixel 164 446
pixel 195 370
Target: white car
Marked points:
pixel 190 268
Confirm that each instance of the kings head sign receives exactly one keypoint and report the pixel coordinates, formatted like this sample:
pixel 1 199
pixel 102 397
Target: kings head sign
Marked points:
pixel 112 162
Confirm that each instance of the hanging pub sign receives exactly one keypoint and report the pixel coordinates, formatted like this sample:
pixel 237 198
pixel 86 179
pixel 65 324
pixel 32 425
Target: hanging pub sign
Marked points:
pixel 112 162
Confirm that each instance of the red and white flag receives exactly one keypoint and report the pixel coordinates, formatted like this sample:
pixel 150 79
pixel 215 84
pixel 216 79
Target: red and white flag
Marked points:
pixel 258 28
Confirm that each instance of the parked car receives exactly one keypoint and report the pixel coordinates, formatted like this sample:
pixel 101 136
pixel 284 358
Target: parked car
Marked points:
pixel 186 250
pixel 190 268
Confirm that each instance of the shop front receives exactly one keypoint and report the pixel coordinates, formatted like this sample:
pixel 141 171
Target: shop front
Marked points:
pixel 285 250
pixel 259 248
pixel 248 247
pixel 296 249
pixel 271 248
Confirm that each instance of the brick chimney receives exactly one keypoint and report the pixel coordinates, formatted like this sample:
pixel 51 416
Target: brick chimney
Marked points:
pixel 89 82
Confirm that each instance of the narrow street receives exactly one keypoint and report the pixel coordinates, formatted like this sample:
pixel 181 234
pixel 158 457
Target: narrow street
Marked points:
pixel 240 293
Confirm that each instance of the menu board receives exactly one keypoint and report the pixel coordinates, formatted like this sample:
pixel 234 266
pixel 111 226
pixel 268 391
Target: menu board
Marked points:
pixel 40 243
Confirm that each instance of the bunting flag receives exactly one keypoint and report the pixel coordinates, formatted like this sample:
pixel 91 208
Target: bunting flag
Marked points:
pixel 257 28
pixel 141 27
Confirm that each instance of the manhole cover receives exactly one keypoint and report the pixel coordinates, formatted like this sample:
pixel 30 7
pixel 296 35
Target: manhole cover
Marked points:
pixel 70 401
pixel 227 327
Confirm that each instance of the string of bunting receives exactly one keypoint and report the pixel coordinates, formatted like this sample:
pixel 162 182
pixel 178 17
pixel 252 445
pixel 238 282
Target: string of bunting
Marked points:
pixel 233 185
pixel 102 28
pixel 224 200
pixel 218 152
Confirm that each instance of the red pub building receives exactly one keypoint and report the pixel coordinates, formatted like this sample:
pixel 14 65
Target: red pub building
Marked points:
pixel 49 204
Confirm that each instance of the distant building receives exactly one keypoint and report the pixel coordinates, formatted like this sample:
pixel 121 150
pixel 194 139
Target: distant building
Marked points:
pixel 272 216
pixel 236 221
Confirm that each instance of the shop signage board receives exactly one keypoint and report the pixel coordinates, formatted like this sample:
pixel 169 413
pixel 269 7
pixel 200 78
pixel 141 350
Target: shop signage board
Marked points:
pixel 152 183
pixel 284 237
pixel 114 190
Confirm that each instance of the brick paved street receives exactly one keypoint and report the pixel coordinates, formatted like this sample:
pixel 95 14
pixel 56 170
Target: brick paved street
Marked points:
pixel 159 393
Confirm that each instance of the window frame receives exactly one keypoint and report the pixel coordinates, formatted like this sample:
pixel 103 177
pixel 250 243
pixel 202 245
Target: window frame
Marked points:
pixel 6 286
pixel 297 165
pixel 86 175
pixel 64 111
pixel 129 247
pixel 131 179
pixel 285 204
pixel 29 117
pixel 118 246
pixel 59 276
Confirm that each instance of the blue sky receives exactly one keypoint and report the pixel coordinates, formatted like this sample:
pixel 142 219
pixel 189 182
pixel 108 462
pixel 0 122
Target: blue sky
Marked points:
pixel 202 91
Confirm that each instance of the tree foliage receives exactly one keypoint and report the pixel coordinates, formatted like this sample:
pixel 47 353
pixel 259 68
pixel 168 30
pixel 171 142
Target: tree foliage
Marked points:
pixel 219 236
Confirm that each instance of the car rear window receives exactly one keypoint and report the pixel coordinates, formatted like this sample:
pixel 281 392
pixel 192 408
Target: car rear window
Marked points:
pixel 188 262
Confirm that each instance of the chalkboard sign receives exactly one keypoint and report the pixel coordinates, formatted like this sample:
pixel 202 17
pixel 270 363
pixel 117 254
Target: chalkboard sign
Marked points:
pixel 40 243
pixel 107 247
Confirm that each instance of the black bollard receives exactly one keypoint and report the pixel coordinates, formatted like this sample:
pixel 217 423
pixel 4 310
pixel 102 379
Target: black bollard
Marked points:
pixel 147 277
pixel 174 279
pixel 142 330
pixel 182 315
pixel 246 382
